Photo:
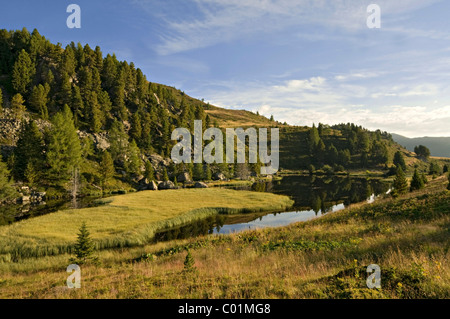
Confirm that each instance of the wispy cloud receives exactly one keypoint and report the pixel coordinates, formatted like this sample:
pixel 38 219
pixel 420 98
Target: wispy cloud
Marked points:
pixel 207 22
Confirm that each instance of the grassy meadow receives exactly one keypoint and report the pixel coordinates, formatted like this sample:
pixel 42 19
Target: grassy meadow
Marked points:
pixel 408 237
pixel 128 220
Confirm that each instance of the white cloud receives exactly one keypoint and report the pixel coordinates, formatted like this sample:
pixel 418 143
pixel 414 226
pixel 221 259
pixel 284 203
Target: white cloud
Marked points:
pixel 203 23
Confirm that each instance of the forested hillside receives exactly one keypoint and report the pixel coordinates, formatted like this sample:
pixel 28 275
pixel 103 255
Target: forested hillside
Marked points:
pixel 74 118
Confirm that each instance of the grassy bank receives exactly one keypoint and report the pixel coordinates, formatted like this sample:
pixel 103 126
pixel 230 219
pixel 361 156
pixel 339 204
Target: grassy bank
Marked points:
pixel 128 220
pixel 408 237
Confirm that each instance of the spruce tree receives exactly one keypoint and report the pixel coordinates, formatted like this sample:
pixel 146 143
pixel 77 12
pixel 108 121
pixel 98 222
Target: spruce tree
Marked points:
pixel 208 173
pixel 198 171
pixel 38 100
pixel 64 149
pixel 7 190
pixel 399 161
pixel 17 106
pixel 1 101
pixel 23 72
pixel 416 182
pixel 118 140
pixel 189 262
pixel 149 171
pixel 400 183
pixel 106 168
pixel 165 176
pixel 84 247
pixel 133 165
pixel 29 150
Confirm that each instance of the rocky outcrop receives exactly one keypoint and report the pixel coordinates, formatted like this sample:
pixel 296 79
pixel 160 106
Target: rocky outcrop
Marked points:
pixel 219 177
pixel 200 185
pixel 99 140
pixel 184 178
pixel 166 185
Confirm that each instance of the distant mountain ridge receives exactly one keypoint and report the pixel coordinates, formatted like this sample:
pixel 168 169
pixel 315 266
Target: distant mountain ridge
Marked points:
pixel 439 146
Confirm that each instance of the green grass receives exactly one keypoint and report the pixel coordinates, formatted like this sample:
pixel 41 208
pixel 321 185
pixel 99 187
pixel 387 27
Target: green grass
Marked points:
pixel 128 220
pixel 408 237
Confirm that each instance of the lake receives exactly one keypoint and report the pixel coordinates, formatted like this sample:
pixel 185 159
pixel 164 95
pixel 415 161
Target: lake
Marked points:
pixel 313 197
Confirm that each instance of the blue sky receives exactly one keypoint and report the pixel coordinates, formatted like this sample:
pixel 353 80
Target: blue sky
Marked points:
pixel 304 61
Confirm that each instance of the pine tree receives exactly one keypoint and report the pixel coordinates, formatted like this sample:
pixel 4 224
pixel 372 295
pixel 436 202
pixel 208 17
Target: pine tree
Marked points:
pixel 448 186
pixel 118 140
pixel 84 247
pixel 399 161
pixel 29 150
pixel 134 161
pixel 189 262
pixel 165 176
pixel 198 171
pixel 31 174
pixel 7 191
pixel 149 173
pixel 313 139
pixel 106 168
pixel 400 183
pixel 23 72
pixel 1 101
pixel 17 106
pixel 38 100
pixel 64 149
pixel 207 173
pixel 416 182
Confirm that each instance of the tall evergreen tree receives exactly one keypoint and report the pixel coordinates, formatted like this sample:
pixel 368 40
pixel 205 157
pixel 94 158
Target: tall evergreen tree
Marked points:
pixel 118 140
pixel 1 101
pixel 416 182
pixel 399 161
pixel 29 150
pixel 106 167
pixel 23 73
pixel 17 106
pixel 133 165
pixel 448 186
pixel 149 171
pixel 7 191
pixel 38 100
pixel 84 247
pixel 64 149
pixel 400 183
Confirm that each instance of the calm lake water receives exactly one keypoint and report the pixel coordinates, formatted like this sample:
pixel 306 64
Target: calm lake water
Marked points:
pixel 313 197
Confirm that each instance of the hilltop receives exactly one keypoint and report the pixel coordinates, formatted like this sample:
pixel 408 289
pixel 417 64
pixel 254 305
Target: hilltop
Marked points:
pixel 439 146
pixel 97 124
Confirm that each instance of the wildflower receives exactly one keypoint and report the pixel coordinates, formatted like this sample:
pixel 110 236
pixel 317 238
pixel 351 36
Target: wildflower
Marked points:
pixel 400 285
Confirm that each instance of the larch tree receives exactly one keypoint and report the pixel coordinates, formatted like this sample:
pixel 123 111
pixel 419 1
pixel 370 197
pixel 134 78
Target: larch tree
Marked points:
pixel 23 72
pixel 64 149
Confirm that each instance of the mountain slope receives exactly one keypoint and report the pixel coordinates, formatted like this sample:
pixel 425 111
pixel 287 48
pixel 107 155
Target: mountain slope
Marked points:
pixel 439 146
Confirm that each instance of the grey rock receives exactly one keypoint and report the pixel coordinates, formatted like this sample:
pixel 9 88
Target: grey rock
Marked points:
pixel 184 177
pixel 200 185
pixel 219 177
pixel 166 185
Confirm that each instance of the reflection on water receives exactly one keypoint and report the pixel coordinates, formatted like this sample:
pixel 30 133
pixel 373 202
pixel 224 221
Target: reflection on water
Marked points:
pixel 313 197
pixel 12 213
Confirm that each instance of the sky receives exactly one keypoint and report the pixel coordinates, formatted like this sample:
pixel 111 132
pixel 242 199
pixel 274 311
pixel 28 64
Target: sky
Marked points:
pixel 303 61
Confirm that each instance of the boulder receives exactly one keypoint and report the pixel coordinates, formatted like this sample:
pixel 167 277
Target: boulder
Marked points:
pixel 166 185
pixel 219 176
pixel 200 185
pixel 152 186
pixel 184 178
